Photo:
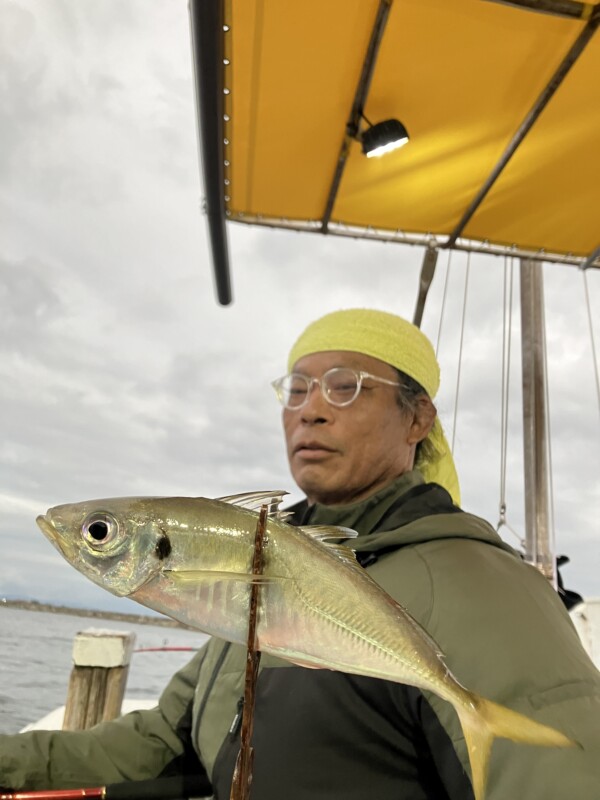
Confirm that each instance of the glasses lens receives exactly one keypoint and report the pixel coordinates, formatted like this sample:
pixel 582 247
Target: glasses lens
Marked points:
pixel 341 386
pixel 293 390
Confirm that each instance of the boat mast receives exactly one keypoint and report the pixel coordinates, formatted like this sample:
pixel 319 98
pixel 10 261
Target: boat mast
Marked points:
pixel 539 539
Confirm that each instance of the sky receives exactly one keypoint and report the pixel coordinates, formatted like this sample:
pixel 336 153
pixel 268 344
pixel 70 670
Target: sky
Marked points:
pixel 120 373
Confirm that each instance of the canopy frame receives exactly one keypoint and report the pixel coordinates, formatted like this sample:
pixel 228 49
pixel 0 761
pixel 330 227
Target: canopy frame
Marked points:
pixel 358 105
pixel 540 104
pixel 207 26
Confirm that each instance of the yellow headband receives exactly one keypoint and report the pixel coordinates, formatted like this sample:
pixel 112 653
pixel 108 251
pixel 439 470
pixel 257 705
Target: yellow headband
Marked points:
pixel 394 341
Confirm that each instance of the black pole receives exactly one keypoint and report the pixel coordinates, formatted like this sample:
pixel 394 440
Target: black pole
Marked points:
pixel 206 23
pixel 177 787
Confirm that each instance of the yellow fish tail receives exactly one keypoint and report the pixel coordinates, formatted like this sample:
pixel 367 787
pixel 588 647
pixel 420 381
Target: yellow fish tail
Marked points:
pixel 483 720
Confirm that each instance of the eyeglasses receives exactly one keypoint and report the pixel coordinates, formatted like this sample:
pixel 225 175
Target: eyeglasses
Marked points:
pixel 340 386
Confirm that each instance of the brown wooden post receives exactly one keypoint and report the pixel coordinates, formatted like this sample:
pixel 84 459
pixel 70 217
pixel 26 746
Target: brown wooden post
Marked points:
pixel 98 678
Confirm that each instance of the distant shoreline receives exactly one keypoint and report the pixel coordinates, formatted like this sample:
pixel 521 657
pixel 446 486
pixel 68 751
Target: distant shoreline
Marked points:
pixel 139 619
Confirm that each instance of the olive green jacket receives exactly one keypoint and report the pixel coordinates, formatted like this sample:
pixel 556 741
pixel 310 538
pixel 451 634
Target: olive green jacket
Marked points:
pixel 505 633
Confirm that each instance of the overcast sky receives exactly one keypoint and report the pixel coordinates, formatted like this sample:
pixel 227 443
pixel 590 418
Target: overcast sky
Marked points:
pixel 121 375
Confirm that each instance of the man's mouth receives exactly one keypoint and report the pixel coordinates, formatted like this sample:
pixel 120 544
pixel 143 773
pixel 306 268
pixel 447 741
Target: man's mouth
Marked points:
pixel 312 450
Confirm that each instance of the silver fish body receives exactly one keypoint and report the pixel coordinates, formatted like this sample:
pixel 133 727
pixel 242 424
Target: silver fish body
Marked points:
pixel 191 558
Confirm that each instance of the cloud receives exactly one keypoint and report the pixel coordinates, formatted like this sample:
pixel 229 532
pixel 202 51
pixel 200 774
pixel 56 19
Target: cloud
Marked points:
pixel 120 373
pixel 28 303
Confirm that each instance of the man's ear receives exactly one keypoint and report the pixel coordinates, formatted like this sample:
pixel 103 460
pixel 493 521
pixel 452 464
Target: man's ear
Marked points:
pixel 423 419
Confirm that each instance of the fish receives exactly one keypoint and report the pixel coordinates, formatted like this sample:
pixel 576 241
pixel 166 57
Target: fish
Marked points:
pixel 191 559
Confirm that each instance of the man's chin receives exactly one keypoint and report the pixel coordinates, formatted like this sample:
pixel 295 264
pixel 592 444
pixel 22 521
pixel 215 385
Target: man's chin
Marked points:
pixel 312 479
pixel 318 489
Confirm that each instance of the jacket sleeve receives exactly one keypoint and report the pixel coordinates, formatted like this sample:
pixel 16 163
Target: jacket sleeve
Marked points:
pixel 137 746
pixel 507 636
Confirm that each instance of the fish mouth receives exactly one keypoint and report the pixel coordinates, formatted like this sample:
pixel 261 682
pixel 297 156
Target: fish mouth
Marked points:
pixel 50 532
pixel 46 527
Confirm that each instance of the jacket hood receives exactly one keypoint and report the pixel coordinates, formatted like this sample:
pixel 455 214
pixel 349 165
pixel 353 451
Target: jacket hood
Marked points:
pixel 402 514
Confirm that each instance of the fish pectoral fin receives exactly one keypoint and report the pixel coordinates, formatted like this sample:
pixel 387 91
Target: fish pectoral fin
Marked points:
pixel 253 501
pixel 186 576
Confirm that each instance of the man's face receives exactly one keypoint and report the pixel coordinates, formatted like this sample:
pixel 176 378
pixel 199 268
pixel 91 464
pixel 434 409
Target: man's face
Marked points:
pixel 341 455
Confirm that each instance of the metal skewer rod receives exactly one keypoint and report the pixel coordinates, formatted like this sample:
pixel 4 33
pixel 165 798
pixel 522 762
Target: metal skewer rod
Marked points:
pixel 173 788
pixel 55 794
pixel 242 775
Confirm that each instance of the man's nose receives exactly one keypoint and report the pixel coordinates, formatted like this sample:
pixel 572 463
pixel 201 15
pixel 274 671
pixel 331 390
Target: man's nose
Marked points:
pixel 316 407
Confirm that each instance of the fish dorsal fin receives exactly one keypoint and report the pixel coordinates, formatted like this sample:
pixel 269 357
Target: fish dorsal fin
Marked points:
pixel 323 533
pixel 253 501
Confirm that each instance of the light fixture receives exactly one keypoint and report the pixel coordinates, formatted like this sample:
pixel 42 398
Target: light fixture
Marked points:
pixel 383 137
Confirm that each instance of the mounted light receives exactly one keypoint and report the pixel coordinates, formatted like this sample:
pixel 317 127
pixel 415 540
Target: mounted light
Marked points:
pixel 383 137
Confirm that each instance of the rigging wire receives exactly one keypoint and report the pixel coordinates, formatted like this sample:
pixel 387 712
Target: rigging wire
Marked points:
pixel 504 393
pixel 594 356
pixel 507 308
pixel 439 333
pixel 460 348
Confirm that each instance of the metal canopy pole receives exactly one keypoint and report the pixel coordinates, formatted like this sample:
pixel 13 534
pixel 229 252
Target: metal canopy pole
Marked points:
pixel 427 272
pixel 539 543
pixel 559 8
pixel 589 262
pixel 358 104
pixel 206 23
pixel 540 104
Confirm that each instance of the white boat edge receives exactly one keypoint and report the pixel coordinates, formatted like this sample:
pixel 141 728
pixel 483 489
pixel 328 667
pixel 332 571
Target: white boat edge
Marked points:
pixel 586 618
pixel 53 721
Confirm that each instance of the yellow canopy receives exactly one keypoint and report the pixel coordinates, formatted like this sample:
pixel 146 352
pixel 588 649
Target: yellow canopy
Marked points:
pixel 461 75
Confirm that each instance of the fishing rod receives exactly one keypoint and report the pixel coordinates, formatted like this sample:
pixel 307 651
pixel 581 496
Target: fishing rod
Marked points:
pixel 179 787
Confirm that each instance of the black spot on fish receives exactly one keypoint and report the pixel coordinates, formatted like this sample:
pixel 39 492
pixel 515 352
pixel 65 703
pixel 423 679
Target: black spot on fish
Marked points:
pixel 163 547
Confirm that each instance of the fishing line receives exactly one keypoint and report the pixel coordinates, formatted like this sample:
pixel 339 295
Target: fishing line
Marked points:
pixel 589 314
pixel 507 308
pixel 439 333
pixel 460 348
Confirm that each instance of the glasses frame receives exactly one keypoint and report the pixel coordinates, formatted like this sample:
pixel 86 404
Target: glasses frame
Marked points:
pixel 277 384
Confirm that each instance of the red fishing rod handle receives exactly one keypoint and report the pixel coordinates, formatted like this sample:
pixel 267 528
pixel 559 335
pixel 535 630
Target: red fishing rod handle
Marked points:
pixel 176 787
pixel 56 794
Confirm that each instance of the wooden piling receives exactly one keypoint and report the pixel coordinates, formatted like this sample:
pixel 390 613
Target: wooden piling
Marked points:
pixel 98 678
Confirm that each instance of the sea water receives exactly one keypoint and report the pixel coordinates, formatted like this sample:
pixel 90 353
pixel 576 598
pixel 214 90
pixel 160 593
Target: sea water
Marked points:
pixel 36 660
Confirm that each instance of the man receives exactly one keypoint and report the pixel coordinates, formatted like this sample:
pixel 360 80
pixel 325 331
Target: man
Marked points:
pixel 358 417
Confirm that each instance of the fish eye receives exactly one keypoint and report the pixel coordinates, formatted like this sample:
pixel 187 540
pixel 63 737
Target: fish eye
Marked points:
pixel 99 529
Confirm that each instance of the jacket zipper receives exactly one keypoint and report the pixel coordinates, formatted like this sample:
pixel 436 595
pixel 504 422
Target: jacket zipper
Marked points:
pixel 237 720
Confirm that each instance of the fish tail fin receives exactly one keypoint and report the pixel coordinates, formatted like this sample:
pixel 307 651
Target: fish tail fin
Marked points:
pixel 483 720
